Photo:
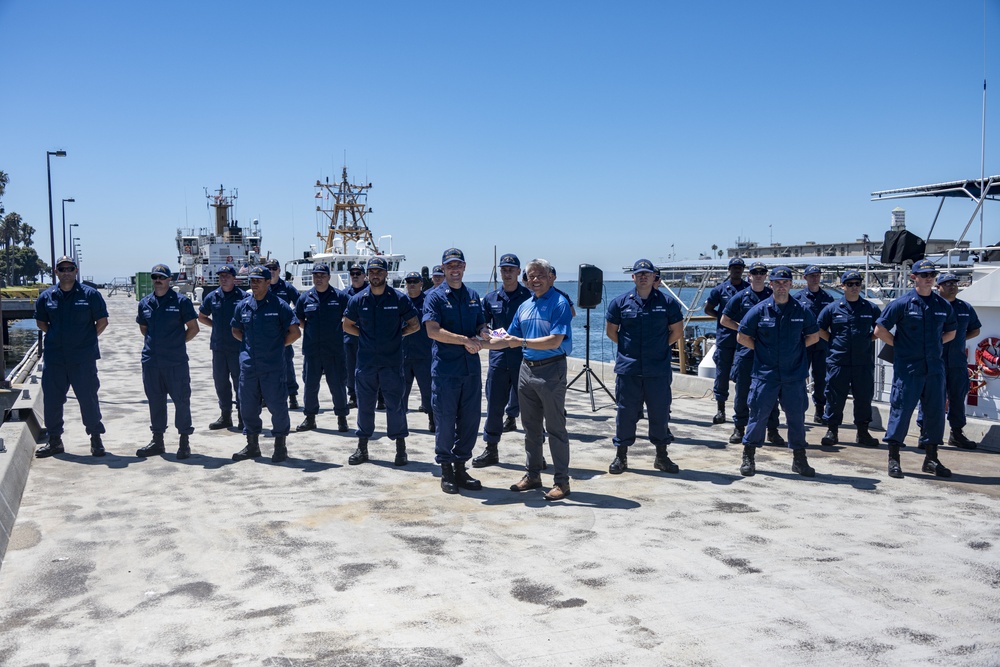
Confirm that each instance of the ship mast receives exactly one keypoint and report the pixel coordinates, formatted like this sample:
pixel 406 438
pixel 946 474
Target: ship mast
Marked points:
pixel 222 202
pixel 347 217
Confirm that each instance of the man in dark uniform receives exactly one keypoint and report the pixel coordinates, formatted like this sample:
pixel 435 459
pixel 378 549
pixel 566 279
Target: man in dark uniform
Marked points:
pixel 437 275
pixel 320 312
pixel 417 352
pixel 644 322
pixel 265 325
pixel 380 316
pixel 848 325
pixel 779 330
pixel 499 308
pixel 742 372
pixel 923 323
pixel 167 321
pixel 219 306
pixel 814 299
pixel 287 293
pixel 725 338
pixel 72 315
pixel 453 315
pixel 358 283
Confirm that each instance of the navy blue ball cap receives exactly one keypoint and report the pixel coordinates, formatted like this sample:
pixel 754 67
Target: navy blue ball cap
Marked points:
pixel 272 264
pixel 758 266
pixel 510 260
pixel 66 259
pixel 850 275
pixel 226 268
pixel 438 270
pixel 357 267
pixel 643 266
pixel 811 269
pixel 924 266
pixel 161 270
pixel 261 272
pixel 452 255
pixel 737 261
pixel 378 263
pixel 413 275
pixel 947 277
pixel 321 268
pixel 780 273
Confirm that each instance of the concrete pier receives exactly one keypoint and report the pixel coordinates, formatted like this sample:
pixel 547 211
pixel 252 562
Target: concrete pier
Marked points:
pixel 119 560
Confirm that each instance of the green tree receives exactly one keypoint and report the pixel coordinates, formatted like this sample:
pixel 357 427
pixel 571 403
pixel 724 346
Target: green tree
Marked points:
pixel 10 235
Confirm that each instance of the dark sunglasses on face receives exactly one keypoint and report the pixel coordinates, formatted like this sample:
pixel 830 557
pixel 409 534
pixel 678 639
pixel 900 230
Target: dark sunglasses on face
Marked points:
pixel 852 283
pixel 66 269
pixel 413 281
pixel 356 274
pixel 758 273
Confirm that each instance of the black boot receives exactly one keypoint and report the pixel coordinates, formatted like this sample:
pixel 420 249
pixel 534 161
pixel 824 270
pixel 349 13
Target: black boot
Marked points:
pixel 53 446
pixel 737 436
pixel 818 415
pixel 154 447
pixel 280 450
pixel 431 426
pixel 831 437
pixel 184 448
pixel 97 445
pixel 490 457
pixel 749 467
pixel 663 462
pixel 864 438
pixel 352 402
pixel 448 478
pixel 895 470
pixel 360 454
pixel 932 465
pixel 958 439
pixel 774 437
pixel 308 424
pixel 293 402
pixel 251 451
pixel 225 420
pixel 720 416
pixel 462 479
pixel 800 464
pixel 620 464
pixel 509 424
pixel 401 458
pixel 342 424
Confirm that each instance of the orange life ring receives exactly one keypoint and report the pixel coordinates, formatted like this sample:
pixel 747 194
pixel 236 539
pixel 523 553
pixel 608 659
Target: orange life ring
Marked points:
pixel 988 356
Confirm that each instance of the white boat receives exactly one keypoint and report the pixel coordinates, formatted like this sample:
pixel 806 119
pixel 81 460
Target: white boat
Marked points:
pixel 348 239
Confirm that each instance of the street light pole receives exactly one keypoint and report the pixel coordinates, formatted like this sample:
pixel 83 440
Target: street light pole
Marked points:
pixel 64 221
pixel 52 235
pixel 72 238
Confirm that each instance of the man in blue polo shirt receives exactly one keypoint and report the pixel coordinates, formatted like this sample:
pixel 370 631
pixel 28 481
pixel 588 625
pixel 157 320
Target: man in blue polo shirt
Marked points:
pixel 72 315
pixel 287 293
pixel 320 312
pixel 543 328
pixel 265 325
pixel 725 338
pixel 779 330
pixel 380 316
pixel 167 321
pixel 499 308
pixel 453 315
pixel 218 307
pixel 814 299
pixel 417 352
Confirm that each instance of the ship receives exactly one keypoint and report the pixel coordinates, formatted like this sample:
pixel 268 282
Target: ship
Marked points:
pixel 347 240
pixel 202 252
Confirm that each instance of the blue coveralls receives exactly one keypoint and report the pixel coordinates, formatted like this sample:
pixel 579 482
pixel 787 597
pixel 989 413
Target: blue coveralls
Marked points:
pixel 499 308
pixel 321 315
pixel 351 351
pixel 287 293
pixel 381 319
pixel 417 360
pixel 456 375
pixel 220 306
pixel 850 367
pixel 165 369
pixel 642 367
pixel 71 353
pixel 956 365
pixel 262 363
pixel 918 363
pixel 725 338
pixel 815 302
pixel 780 368
pixel 736 309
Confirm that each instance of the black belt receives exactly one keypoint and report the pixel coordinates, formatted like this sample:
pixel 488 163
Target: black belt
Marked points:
pixel 542 362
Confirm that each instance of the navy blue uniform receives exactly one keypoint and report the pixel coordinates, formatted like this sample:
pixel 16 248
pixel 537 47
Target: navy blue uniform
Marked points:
pixel 165 369
pixel 850 363
pixel 380 318
pixel 725 338
pixel 287 293
pixel 456 375
pixel 956 365
pixel 351 350
pixel 499 308
pixel 642 366
pixel 780 367
pixel 736 309
pixel 815 302
pixel 71 353
pixel 220 306
pixel 918 363
pixel 262 362
pixel 417 359
pixel 321 315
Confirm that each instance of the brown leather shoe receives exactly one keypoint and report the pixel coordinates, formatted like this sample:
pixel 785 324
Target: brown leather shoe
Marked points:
pixel 527 483
pixel 557 492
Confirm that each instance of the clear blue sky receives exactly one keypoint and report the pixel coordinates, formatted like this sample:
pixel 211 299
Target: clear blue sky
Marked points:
pixel 590 132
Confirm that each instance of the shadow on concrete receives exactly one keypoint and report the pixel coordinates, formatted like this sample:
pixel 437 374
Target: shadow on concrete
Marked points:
pixel 533 498
pixel 687 475
pixel 305 465
pixel 955 478
pixel 109 460
pixel 860 483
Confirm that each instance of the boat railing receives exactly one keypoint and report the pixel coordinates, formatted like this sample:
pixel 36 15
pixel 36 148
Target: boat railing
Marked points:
pixel 963 253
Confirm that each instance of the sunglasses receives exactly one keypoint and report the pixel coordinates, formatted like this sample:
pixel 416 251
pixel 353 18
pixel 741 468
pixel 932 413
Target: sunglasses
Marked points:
pixel 356 274
pixel 156 277
pixel 758 273
pixel 852 283
pixel 413 281
pixel 66 269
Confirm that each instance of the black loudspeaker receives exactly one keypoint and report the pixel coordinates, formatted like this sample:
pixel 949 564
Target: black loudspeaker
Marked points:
pixel 902 246
pixel 590 287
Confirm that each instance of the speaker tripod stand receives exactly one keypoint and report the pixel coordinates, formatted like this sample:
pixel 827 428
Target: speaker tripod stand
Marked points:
pixel 588 373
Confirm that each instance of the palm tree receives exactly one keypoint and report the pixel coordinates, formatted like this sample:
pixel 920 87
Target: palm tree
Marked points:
pixel 10 233
pixel 4 180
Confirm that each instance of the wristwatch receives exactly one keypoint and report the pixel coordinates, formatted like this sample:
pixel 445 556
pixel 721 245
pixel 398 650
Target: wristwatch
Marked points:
pixel 524 343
